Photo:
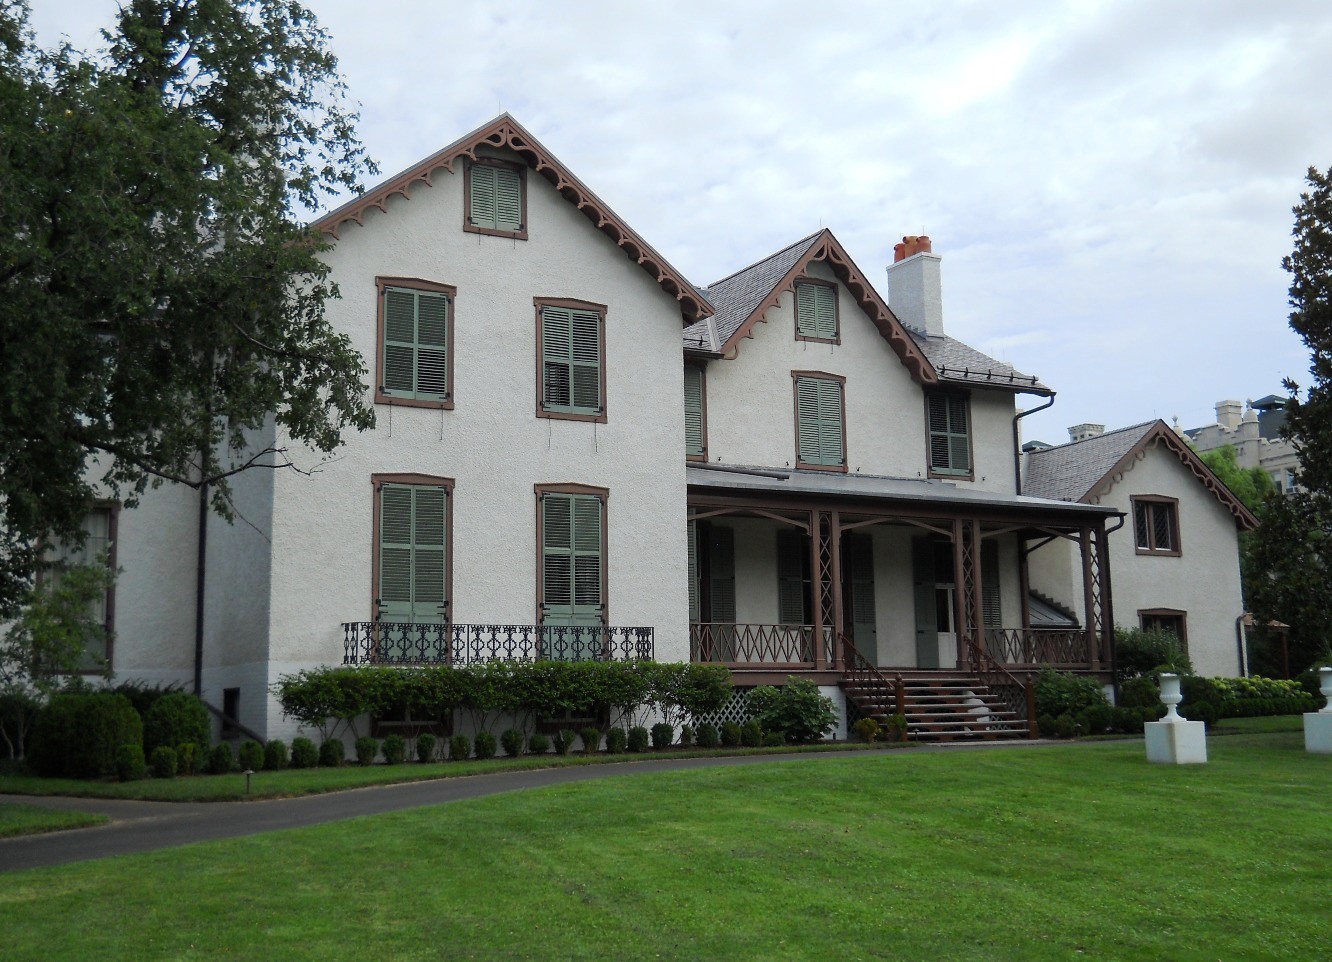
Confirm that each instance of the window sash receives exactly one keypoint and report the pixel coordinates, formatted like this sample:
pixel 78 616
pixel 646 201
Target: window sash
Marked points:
pixel 416 342
pixel 950 438
pixel 819 421
pixel 572 566
pixel 816 311
pixel 1154 526
pixel 413 553
pixel 496 198
pixel 693 396
pixel 571 361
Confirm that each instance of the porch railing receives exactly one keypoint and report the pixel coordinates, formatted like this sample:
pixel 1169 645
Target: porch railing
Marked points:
pixel 1016 694
pixel 1056 648
pixel 754 645
pixel 401 643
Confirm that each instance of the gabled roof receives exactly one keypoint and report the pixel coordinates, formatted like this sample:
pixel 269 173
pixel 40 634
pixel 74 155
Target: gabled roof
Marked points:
pixel 741 300
pixel 1087 469
pixel 959 363
pixel 506 133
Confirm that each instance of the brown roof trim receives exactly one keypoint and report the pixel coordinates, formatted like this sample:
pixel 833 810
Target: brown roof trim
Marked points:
pixel 506 133
pixel 1162 434
pixel 829 250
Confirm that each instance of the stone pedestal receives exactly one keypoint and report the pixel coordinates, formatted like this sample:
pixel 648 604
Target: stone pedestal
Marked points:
pixel 1176 742
pixel 1318 732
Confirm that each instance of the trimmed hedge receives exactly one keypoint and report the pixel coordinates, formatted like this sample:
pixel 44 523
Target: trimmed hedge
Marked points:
pixel 174 718
pixel 79 736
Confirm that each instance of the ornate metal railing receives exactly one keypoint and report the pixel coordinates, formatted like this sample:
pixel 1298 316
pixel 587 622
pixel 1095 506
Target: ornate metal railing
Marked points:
pixel 751 645
pixel 1057 648
pixel 400 643
pixel 861 673
pixel 1016 694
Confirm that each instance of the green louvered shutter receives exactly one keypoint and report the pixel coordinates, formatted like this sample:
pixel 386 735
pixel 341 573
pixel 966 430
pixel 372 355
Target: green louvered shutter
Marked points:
pixel 721 566
pixel 571 360
pixel 416 338
pixel 927 612
pixel 816 311
pixel 694 615
pixel 950 447
pixel 819 421
pixel 864 623
pixel 991 610
pixel 412 553
pixel 693 395
pixel 571 559
pixel 792 587
pixel 508 199
pixel 483 196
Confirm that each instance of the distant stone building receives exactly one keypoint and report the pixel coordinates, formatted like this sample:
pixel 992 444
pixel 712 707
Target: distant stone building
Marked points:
pixel 1254 431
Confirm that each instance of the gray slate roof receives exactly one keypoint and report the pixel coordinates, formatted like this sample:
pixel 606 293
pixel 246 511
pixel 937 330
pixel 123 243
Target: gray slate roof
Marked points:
pixel 1068 472
pixel 960 363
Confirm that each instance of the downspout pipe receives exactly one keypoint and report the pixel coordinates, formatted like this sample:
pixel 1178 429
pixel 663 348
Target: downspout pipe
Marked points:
pixel 200 579
pixel 1017 441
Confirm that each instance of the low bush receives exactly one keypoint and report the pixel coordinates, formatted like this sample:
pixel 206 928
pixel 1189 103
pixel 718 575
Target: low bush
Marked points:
pixel 730 734
pixel 163 762
pixel 143 695
pixel 394 749
pixel 591 737
pixel 563 741
pixel 751 734
pixel 1046 724
pixel 483 746
pixel 638 739
pixel 304 754
pixel 707 736
pixel 220 761
pixel 1128 720
pixel 774 740
pixel 176 717
pixel 866 730
pixel 130 766
pixel 332 753
pixel 1140 692
pixel 795 709
pixel 366 749
pixel 895 729
pixel 1100 719
pixel 79 736
pixel 686 736
pixel 512 742
pixel 1061 693
pixel 275 756
pixel 190 757
pixel 1203 711
pixel 1139 652
pixel 538 744
pixel 460 748
pixel 425 747
pixel 251 756
pixel 617 740
pixel 663 736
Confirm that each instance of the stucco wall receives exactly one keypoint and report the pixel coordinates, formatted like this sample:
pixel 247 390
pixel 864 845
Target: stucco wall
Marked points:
pixel 492 444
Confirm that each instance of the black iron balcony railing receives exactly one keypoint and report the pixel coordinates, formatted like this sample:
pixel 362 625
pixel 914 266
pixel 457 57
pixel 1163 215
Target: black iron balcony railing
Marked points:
pixel 402 643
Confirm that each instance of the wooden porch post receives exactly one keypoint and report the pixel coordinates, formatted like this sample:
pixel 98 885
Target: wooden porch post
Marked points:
pixel 838 657
pixel 1107 597
pixel 816 591
pixel 1092 629
pixel 959 589
pixel 1024 585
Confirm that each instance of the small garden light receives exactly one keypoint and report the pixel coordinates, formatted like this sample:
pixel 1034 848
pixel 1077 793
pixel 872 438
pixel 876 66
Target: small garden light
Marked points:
pixel 248 773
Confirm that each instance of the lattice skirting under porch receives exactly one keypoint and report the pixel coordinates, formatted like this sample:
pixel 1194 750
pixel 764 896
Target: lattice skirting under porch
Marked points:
pixel 735 710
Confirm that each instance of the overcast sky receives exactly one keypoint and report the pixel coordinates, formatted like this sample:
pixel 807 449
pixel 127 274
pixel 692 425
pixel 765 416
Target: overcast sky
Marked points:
pixel 1109 183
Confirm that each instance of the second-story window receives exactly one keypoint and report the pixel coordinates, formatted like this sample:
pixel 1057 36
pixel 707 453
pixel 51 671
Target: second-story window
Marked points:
pixel 948 420
pixel 415 341
pixel 820 426
pixel 571 363
pixel 696 426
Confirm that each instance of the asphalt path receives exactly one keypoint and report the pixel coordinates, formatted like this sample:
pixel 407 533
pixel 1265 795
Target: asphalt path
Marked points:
pixel 148 826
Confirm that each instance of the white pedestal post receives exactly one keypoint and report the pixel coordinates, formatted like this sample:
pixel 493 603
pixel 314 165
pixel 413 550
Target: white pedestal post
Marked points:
pixel 1318 724
pixel 1174 740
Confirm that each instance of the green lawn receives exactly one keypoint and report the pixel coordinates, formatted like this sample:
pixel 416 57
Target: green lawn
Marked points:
pixel 1066 852
pixel 18 819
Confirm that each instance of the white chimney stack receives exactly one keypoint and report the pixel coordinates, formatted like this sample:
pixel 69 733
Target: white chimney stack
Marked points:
pixel 915 294
pixel 1081 432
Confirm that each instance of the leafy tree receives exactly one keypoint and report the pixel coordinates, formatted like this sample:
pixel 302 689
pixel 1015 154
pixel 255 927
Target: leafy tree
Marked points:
pixel 1293 547
pixel 161 300
pixel 1251 485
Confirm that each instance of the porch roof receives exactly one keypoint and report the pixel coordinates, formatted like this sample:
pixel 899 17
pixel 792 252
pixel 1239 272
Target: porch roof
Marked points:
pixel 915 493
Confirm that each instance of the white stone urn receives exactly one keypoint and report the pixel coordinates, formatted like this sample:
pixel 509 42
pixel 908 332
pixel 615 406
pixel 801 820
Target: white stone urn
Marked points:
pixel 1170 697
pixel 1325 686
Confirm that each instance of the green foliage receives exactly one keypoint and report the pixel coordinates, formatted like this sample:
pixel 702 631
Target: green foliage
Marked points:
pixel 163 762
pixel 751 734
pixel 688 690
pixel 395 749
pixel 251 756
pixel 174 718
pixel 895 730
pixel 591 737
pixel 190 756
pixel 77 736
pixel 617 741
pixel 563 741
pixel 130 766
pixel 425 747
pixel 304 754
pixel 512 742
pixel 220 761
pixel 1252 486
pixel 730 734
pixel 638 739
pixel 1140 692
pixel 773 739
pixel 1203 711
pixel 686 736
pixel 1139 652
pixel 1059 693
pixel 460 748
pixel 663 735
pixel 178 302
pixel 332 753
pixel 366 750
pixel 796 709
pixel 143 696
pixel 275 756
pixel 484 745
pixel 538 744
pixel 866 730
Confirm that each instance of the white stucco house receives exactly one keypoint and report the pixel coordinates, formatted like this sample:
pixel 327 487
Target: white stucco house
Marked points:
pixel 579 453
pixel 1175 560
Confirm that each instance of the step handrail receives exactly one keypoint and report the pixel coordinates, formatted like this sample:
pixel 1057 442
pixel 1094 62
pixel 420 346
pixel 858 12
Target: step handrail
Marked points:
pixel 860 669
pixel 997 678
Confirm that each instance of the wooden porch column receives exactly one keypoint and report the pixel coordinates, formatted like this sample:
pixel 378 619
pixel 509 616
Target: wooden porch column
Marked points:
pixel 1107 597
pixel 1024 584
pixel 967 586
pixel 816 591
pixel 959 591
pixel 833 598
pixel 1089 600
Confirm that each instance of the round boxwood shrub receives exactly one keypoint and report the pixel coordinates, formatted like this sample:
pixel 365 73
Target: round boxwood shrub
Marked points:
pixel 591 737
pixel 190 757
pixel 663 736
pixel 686 736
pixel 275 756
pixel 538 744
pixel 220 761
pixel 638 739
pixel 563 742
pixel 332 753
pixel 78 736
pixel 460 748
pixel 303 753
pixel 512 741
pixel 774 740
pixel 395 749
pixel 251 756
pixel 163 762
pixel 730 734
pixel 616 741
pixel 484 745
pixel 366 750
pixel 130 766
pixel 425 747
pixel 751 734
pixel 174 718
pixel 707 736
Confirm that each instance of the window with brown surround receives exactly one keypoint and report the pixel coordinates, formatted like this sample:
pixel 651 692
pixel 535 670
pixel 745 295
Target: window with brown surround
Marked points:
pixel 948 429
pixel 816 311
pixel 572 580
pixel 819 421
pixel 1170 620
pixel 412 566
pixel 495 198
pixel 99 546
pixel 1156 525
pixel 696 413
pixel 571 359
pixel 415 342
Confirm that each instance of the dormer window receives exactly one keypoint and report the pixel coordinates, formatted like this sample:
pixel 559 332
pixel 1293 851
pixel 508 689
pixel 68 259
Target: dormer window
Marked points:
pixel 496 198
pixel 816 311
pixel 948 418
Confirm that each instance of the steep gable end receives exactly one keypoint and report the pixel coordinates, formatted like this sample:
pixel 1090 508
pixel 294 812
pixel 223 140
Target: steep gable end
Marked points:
pixel 506 133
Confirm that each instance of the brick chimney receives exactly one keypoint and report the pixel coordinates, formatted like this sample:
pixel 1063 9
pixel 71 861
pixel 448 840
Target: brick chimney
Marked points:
pixel 914 291
pixel 1081 432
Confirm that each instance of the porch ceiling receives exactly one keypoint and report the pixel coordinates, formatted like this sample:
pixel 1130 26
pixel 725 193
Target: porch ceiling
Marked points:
pixel 877 493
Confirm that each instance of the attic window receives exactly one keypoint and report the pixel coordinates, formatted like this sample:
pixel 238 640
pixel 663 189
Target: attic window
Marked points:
pixel 1156 525
pixel 816 311
pixel 495 199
